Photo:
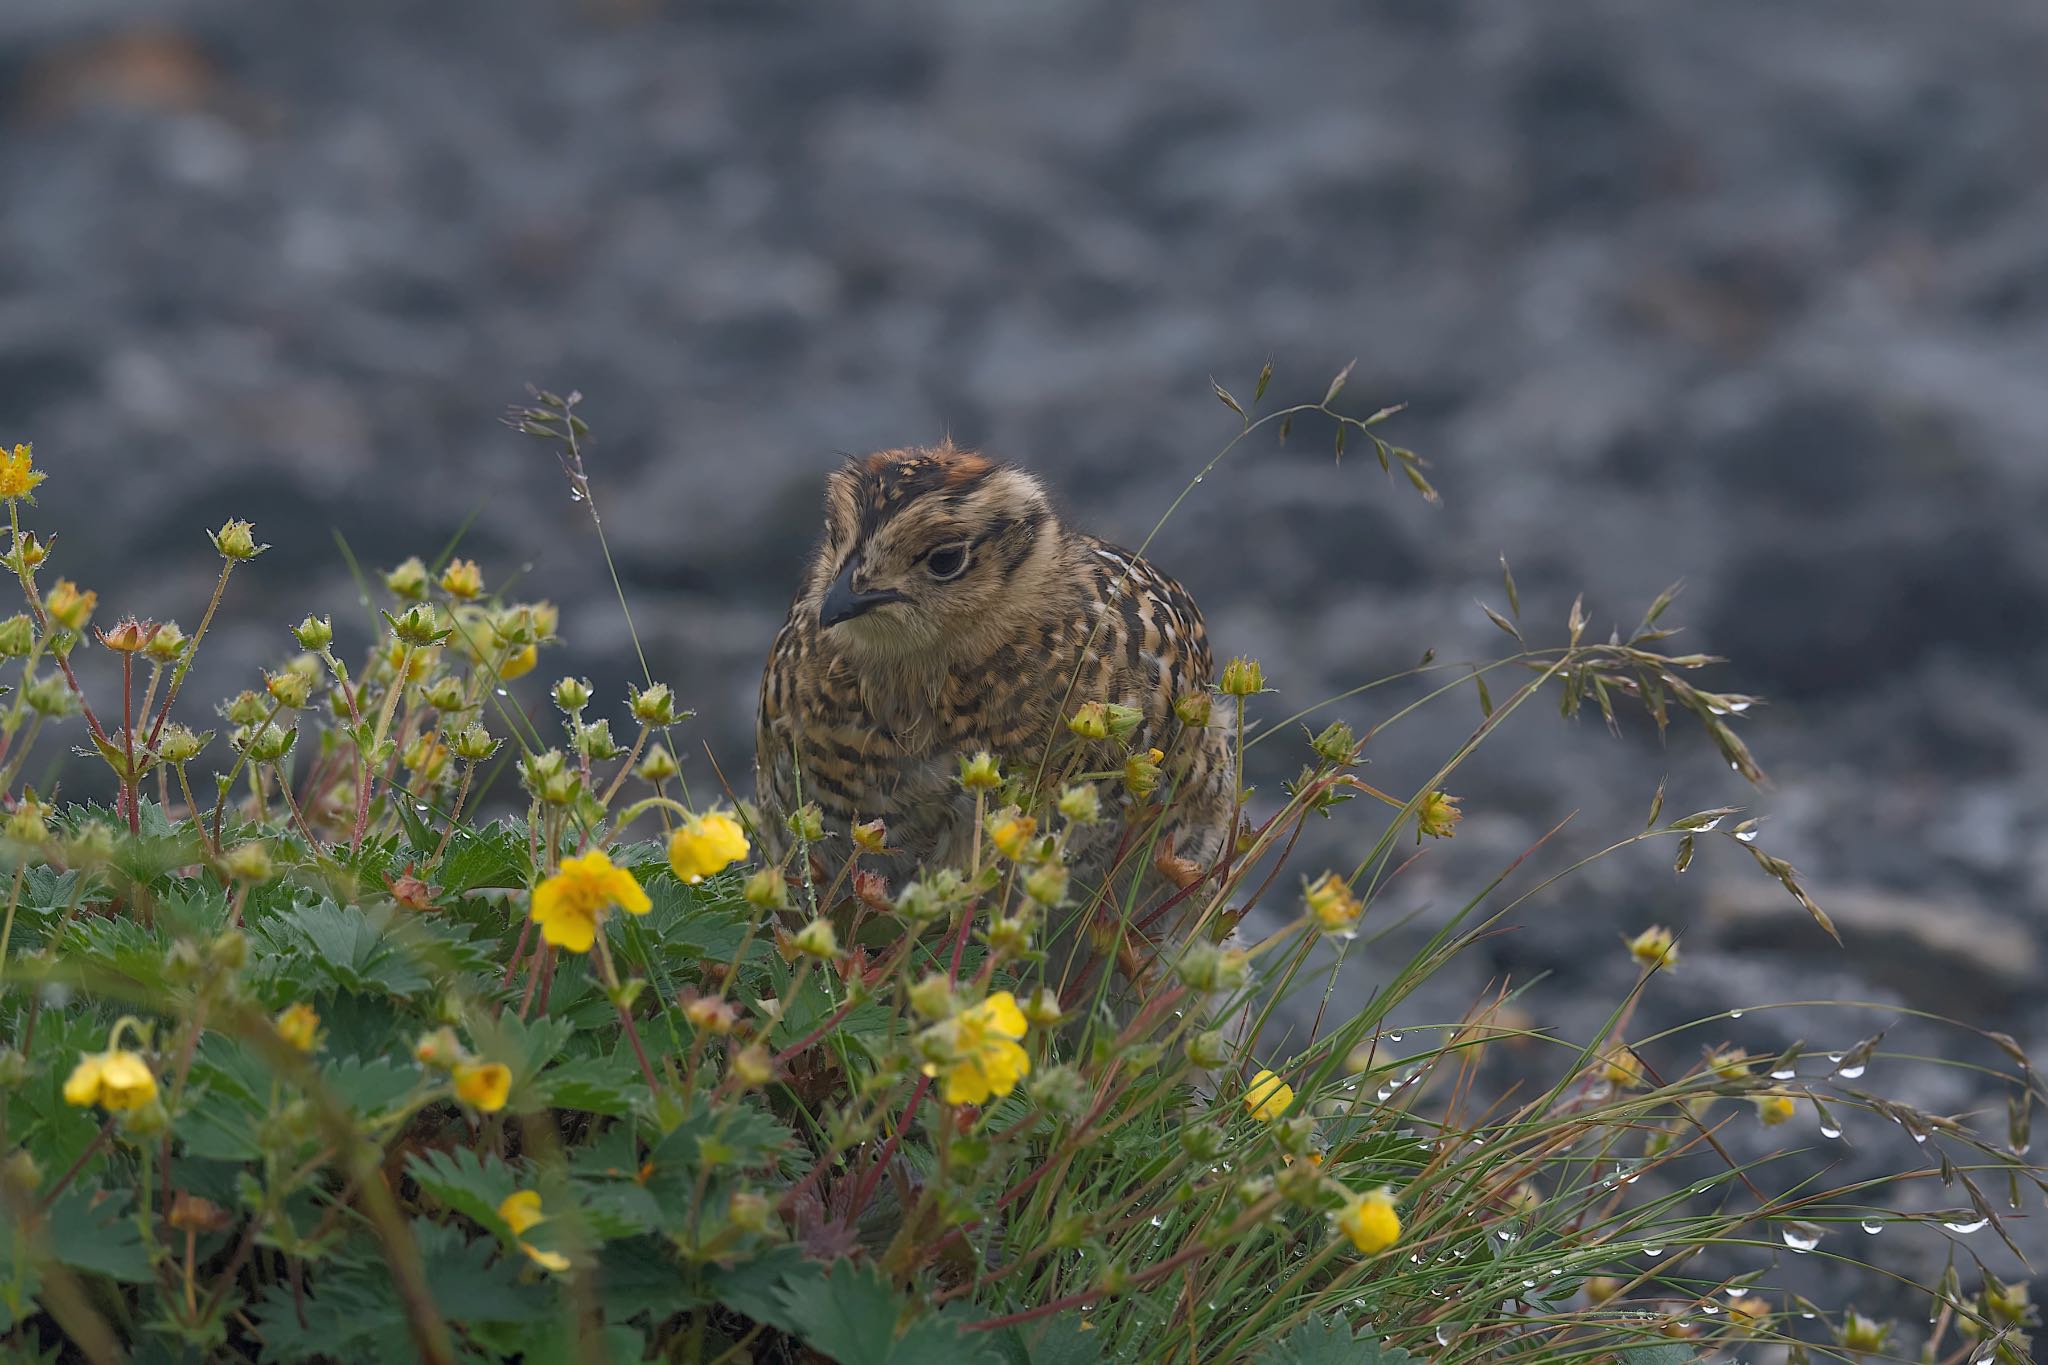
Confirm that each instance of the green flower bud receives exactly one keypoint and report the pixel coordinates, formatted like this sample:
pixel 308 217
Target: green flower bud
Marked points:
pixel 17 636
pixel 1123 720
pixel 572 694
pixel 767 889
pixel 981 772
pixel 1081 804
pixel 1193 709
pixel 26 552
pixel 247 708
pixel 658 766
pixel 594 741
pixel 1047 884
pixel 1209 1049
pixel 807 822
pixel 49 696
pixel 1336 743
pixel 315 632
pixel 474 744
pixel 817 939
pixel 654 705
pixel 289 689
pixel 1091 721
pixel 1010 936
pixel 236 541
pixel 1203 1141
pixel 1060 1090
pixel 167 644
pixel 249 862
pixel 446 695
pixel 933 997
pixel 1243 677
pixel 750 1211
pixel 408 580
pixel 420 626
pixel 267 743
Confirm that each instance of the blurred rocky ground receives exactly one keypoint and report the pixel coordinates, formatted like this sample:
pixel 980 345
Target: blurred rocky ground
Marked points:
pixel 1748 295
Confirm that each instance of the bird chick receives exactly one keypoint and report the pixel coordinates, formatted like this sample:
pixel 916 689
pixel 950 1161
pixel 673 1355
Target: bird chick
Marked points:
pixel 949 611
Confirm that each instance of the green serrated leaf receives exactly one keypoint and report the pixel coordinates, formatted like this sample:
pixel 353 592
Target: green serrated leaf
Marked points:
pixel 850 1314
pixel 1325 1341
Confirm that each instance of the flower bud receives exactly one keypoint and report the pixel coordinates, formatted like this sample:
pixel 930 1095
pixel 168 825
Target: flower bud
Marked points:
pixel 1656 946
pixel 1060 1090
pixel 68 606
pixel 871 836
pixel 572 694
pixel 1437 816
pixel 247 708
pixel 299 1025
pixel 980 773
pixel 474 743
pixel 446 695
pixel 1141 772
pixel 1209 1049
pixel 1193 709
pixel 1011 831
pixel 658 766
pixel 1091 721
pixel 1081 804
pixel 807 822
pixel 129 636
pixel 1042 1009
pixel 1857 1334
pixel 933 997
pixel 817 939
pixel 1010 936
pixel 315 632
pixel 538 766
pixel 229 950
pixel 594 741
pixel 560 789
pixel 236 541
pixel 289 689
pixel 767 889
pixel 1730 1064
pixel 1207 968
pixel 1243 677
pixel 420 626
pixel 1203 1141
pixel 408 580
pixel 1047 884
pixel 1336 743
pixel 462 579
pixel 26 552
pixel 17 636
pixel 440 1049
pixel 249 862
pixel 29 821
pixel 1332 904
pixel 1123 720
pixel 49 696
pixel 654 705
pixel 750 1211
pixel 268 743
pixel 753 1066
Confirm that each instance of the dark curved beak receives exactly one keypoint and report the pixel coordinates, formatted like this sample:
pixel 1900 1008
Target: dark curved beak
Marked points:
pixel 843 603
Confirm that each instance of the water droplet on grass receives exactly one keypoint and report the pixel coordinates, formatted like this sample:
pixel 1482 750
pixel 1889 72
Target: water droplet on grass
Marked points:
pixel 1734 1014
pixel 1801 1239
pixel 1966 1228
pixel 1852 1071
pixel 1872 1226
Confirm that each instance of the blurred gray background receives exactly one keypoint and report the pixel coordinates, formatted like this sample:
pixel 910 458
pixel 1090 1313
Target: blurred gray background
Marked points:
pixel 1746 294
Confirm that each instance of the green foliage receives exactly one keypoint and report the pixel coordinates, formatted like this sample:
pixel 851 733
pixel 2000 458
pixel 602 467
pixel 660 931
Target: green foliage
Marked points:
pixel 305 1053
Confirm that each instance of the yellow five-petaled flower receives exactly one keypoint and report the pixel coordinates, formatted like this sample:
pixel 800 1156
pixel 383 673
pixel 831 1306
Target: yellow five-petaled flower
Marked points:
pixel 299 1025
pixel 976 1051
pixel 115 1080
pixel 1370 1220
pixel 521 1210
pixel 570 905
pixel 1330 900
pixel 483 1085
pixel 705 845
pixel 1267 1097
pixel 18 477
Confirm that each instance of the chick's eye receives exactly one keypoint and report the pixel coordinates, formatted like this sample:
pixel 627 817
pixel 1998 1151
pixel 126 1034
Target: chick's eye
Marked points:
pixel 947 561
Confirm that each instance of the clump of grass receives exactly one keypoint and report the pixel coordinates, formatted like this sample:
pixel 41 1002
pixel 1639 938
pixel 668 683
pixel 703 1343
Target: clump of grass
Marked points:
pixel 321 1062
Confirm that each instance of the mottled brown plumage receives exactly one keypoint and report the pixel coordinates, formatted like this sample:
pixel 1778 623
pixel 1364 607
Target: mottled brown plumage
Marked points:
pixel 949 611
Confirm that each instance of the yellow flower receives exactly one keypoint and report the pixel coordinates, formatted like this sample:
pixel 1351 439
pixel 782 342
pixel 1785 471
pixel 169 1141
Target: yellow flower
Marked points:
pixel 1267 1097
pixel 977 1052
pixel 68 606
pixel 521 1210
pixel 1774 1109
pixel 1654 947
pixel 463 579
pixel 520 664
pixel 1331 902
pixel 18 478
pixel 1749 1310
pixel 299 1025
pixel 706 844
pixel 1141 772
pixel 569 905
pixel 483 1085
pixel 1622 1069
pixel 1370 1220
pixel 116 1079
pixel 1437 816
pixel 1010 831
pixel 1728 1063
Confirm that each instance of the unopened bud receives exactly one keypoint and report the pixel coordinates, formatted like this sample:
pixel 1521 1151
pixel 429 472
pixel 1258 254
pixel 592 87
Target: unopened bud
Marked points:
pixel 767 889
pixel 817 939
pixel 408 580
pixel 981 772
pixel 572 694
pixel 249 862
pixel 594 741
pixel 1243 677
pixel 1091 721
pixel 1193 709
pixel 933 997
pixel 658 766
pixel 474 743
pixel 1336 743
pixel 1209 1049
pixel 462 579
pixel 69 606
pixel 420 626
pixel 129 636
pixel 753 1066
pixel 236 540
pixel 871 836
pixel 654 705
pixel 315 632
pixel 807 822
pixel 17 636
pixel 289 689
pixel 1081 804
